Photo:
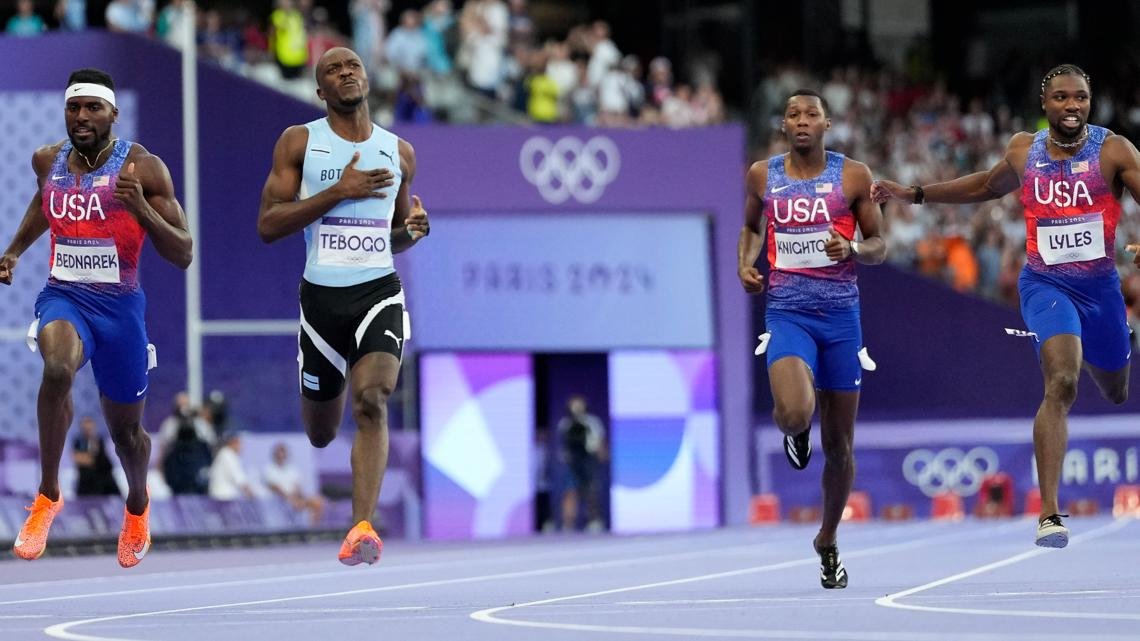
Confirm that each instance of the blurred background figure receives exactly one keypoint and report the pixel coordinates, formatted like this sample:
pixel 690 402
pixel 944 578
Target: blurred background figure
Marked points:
pixel 26 22
pixel 582 437
pixel 185 448
pixel 228 480
pixel 95 472
pixel 281 477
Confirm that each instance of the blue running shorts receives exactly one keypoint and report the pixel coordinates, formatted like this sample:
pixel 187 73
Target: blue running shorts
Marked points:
pixel 113 331
pixel 1091 309
pixel 827 340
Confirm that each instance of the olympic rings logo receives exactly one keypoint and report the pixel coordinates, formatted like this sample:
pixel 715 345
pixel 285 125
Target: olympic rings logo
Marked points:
pixel 568 168
pixel 949 470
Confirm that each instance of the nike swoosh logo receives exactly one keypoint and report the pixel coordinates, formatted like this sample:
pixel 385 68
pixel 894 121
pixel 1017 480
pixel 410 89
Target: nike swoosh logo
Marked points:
pixel 18 542
pixel 858 380
pixel 1041 164
pixel 141 392
pixel 139 555
pixel 779 189
pixel 59 177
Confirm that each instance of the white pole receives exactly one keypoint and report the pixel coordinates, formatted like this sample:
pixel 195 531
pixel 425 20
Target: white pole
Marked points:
pixel 190 184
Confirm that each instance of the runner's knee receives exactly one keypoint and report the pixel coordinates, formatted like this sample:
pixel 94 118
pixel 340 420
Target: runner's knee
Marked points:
pixel 58 374
pixel 792 420
pixel 1061 387
pixel 372 402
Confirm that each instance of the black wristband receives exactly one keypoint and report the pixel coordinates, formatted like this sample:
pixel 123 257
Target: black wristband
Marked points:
pixel 919 195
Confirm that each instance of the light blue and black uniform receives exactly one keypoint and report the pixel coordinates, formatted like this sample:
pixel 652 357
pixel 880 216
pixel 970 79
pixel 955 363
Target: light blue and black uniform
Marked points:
pixel 352 303
pixel 813 302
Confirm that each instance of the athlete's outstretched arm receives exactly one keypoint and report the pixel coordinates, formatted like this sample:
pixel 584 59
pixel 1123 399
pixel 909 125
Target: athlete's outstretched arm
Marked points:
pixel 1000 180
pixel 751 241
pixel 873 248
pixel 146 190
pixel 1123 154
pixel 282 214
pixel 409 221
pixel 34 223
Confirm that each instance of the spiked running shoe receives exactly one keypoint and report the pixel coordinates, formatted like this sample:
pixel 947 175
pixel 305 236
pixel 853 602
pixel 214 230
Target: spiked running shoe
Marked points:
pixel 1052 533
pixel 134 539
pixel 798 449
pixel 32 539
pixel 832 574
pixel 362 545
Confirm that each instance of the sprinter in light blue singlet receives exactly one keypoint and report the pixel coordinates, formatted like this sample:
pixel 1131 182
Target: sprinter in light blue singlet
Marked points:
pixel 346 182
pixel 808 204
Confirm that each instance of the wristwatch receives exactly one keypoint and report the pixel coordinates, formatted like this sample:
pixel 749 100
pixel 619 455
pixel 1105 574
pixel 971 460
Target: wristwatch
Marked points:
pixel 854 248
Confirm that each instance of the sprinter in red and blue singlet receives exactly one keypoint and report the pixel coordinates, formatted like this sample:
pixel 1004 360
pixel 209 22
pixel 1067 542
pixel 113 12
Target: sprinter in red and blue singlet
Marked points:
pixel 100 197
pixel 808 204
pixel 1070 178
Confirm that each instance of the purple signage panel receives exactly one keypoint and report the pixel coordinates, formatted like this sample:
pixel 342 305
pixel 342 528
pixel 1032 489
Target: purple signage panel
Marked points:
pixel 477 418
pixel 565 283
pixel 665 440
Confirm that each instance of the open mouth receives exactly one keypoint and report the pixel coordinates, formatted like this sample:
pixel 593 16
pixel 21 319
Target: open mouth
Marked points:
pixel 1071 121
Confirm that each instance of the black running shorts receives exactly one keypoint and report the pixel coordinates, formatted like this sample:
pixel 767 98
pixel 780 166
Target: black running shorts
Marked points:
pixel 339 325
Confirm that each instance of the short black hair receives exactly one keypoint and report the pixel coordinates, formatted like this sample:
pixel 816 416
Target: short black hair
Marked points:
pixel 811 92
pixel 1064 70
pixel 94 76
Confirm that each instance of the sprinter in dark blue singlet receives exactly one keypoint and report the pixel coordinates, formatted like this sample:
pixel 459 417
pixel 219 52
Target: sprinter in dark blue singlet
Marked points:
pixel 809 204
pixel 1071 177
pixel 100 197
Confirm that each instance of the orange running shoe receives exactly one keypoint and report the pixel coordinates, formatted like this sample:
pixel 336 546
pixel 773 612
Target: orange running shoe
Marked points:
pixel 362 545
pixel 134 540
pixel 32 540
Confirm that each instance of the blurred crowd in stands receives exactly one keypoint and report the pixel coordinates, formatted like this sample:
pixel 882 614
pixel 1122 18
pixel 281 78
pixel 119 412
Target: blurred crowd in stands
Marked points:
pixel 484 60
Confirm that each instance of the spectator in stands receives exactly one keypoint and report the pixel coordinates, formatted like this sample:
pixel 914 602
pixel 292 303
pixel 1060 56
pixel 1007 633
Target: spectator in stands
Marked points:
pixel 542 103
pixel 218 42
pixel 185 442
pixel 406 47
pixel 411 106
pixel 131 16
pixel 228 480
pixel 583 442
pixel 483 28
pixel 368 31
pixel 95 472
pixel 71 14
pixel 288 39
pixel 439 35
pixel 26 23
pixel 604 54
pixel 170 23
pixel 323 36
pixel 282 478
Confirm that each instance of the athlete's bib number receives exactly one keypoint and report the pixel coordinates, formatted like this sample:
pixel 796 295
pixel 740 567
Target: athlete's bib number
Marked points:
pixel 1071 239
pixel 353 242
pixel 802 247
pixel 85 260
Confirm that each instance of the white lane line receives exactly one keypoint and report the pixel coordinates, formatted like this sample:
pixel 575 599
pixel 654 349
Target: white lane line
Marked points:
pixel 63 630
pixel 891 600
pixel 490 615
pixel 341 574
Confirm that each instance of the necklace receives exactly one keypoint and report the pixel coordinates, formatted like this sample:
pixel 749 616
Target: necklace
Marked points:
pixel 91 165
pixel 1070 145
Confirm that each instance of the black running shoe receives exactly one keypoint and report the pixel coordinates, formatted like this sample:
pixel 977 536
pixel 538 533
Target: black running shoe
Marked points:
pixel 832 574
pixel 798 449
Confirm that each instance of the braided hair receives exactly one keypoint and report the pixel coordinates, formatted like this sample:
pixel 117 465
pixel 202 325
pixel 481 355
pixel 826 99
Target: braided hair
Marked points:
pixel 1063 70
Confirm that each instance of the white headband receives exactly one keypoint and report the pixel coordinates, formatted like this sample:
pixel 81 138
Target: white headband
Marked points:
pixel 90 89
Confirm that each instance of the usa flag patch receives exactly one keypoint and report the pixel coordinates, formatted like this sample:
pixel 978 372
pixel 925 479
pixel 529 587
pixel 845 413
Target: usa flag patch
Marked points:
pixel 101 181
pixel 1079 167
pixel 823 188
